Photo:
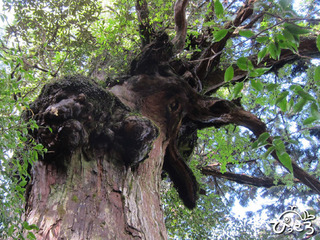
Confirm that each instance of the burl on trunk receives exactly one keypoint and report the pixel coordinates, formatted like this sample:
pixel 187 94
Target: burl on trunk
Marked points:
pixel 101 175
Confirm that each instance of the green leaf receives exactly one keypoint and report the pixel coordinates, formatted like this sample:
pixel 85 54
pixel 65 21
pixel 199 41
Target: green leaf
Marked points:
pixel 299 105
pixel 219 35
pixel 279 145
pixel 272 86
pixel 244 63
pixel 317 75
pixel 31 236
pixel 294 142
pixel 309 120
pixel 257 72
pixel 23 183
pixel 274 51
pixel 283 105
pixel 29 227
pixel 263 137
pixel 229 73
pixel 314 111
pixel 246 33
pixel 305 95
pixel 267 153
pixel 288 35
pixel 256 84
pixel 299 90
pixel 262 54
pixel 285 4
pixel 218 8
pixel 261 141
pixel 282 96
pixel 262 39
pixel 237 89
pixel 295 29
pixel 208 24
pixel 295 88
pixel 11 230
pixel 318 42
pixel 285 160
pixel 38 147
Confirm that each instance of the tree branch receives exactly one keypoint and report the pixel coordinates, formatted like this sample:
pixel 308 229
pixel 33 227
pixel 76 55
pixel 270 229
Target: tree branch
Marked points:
pixel 216 112
pixel 241 178
pixel 205 66
pixel 307 49
pixel 181 24
pixel 145 28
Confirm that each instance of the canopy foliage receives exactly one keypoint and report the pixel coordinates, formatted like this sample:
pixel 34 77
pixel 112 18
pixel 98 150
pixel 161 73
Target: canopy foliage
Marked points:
pixel 262 55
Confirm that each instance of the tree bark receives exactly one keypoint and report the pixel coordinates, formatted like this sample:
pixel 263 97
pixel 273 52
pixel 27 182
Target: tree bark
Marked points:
pixel 100 177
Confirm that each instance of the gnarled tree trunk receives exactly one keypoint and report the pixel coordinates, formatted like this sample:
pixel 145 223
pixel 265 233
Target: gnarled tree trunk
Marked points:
pixel 100 178
pixel 106 149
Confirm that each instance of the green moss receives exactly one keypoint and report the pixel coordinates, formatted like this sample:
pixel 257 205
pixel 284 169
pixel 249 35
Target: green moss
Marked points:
pixel 130 185
pixel 61 211
pixel 75 198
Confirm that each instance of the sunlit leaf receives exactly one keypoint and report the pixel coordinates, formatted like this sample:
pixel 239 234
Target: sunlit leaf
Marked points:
pixel 229 73
pixel 285 160
pixel 237 89
pixel 219 35
pixel 273 50
pixel 283 105
pixel 256 84
pixel 218 8
pixel 263 137
pixel 246 33
pixel 244 63
pixel 262 54
pixel 257 72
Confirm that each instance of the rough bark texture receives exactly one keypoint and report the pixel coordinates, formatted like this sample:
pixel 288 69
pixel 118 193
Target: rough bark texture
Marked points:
pixel 100 178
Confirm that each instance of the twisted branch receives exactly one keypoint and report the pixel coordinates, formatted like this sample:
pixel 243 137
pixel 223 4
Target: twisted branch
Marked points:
pixel 181 24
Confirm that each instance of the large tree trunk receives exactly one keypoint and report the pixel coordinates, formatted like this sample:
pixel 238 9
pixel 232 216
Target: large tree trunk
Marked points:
pixel 100 178
pixel 106 149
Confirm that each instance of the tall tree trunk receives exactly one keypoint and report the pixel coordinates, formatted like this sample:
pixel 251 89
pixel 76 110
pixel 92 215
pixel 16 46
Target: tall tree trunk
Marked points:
pixel 100 177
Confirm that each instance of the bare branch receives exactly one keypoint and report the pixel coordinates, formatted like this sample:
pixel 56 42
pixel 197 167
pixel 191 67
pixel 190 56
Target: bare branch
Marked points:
pixel 266 182
pixel 181 24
